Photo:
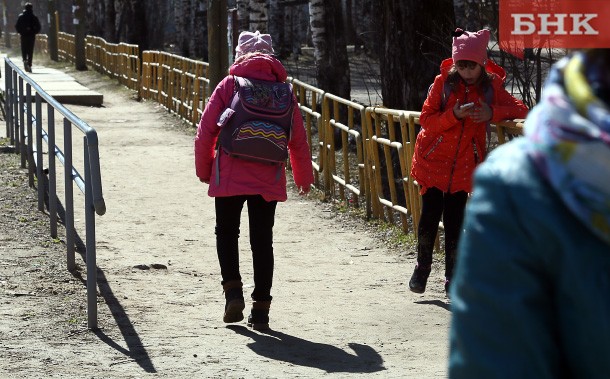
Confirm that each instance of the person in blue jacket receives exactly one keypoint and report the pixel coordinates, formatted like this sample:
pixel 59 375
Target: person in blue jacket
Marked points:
pixel 531 290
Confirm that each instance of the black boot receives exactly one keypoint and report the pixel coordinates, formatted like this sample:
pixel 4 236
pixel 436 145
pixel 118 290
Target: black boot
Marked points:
pixel 235 301
pixel 259 315
pixel 425 247
pixel 419 279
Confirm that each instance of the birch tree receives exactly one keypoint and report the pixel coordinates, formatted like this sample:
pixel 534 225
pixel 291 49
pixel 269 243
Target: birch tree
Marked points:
pixel 259 16
pixel 243 16
pixel 7 22
pixel 276 28
pixel 330 50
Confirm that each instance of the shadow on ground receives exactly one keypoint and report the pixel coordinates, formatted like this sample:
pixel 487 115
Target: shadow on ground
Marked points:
pixel 283 347
pixel 134 350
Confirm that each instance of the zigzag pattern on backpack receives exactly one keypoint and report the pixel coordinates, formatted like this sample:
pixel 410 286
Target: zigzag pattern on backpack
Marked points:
pixel 260 129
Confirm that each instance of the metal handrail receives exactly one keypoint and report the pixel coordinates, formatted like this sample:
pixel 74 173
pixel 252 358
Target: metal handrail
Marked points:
pixel 29 144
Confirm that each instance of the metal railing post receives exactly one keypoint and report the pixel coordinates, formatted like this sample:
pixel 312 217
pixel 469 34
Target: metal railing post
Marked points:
pixel 52 172
pixel 39 162
pixel 90 243
pixel 22 146
pixel 30 135
pixel 95 177
pixel 69 194
pixel 7 100
pixel 15 97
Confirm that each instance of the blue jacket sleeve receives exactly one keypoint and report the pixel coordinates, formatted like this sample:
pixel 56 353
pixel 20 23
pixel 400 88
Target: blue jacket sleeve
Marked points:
pixel 502 305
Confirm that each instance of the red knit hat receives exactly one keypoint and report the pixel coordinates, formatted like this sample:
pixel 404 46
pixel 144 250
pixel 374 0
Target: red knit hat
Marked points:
pixel 470 46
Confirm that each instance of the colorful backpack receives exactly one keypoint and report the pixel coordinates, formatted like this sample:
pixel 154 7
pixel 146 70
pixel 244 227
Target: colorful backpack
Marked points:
pixel 257 124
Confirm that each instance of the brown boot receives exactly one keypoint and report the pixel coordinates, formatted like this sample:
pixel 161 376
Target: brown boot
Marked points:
pixel 259 315
pixel 235 301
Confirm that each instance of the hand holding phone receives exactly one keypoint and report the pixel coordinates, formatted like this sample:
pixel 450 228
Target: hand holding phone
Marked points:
pixel 466 106
pixel 461 111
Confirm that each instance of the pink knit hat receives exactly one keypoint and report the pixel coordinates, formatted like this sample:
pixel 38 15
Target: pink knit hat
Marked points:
pixel 250 42
pixel 470 46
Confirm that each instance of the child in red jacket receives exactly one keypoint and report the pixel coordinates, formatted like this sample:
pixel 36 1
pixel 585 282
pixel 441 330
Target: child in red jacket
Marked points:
pixel 467 95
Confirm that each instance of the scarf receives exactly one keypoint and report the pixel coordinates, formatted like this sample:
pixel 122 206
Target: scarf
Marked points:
pixel 570 134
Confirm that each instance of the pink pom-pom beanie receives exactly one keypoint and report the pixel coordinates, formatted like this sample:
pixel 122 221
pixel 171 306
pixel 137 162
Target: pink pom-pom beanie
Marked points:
pixel 470 46
pixel 250 42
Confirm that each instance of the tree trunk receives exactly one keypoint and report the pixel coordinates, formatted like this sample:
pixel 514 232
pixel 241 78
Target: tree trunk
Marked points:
pixel 258 16
pixel 123 13
pixel 467 15
pixel 416 37
pixel 183 29
pixel 9 26
pixel 367 28
pixel 199 41
pixel 217 41
pixel 79 37
pixel 157 16
pixel 276 29
pixel 136 32
pixel 330 51
pixel 110 22
pixel 349 24
pixel 243 16
pixel 52 34
pixel 95 17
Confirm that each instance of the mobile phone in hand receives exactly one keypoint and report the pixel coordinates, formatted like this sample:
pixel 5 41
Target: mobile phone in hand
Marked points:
pixel 466 106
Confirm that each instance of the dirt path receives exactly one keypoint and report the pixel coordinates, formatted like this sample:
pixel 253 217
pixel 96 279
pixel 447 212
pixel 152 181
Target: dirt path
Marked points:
pixel 341 302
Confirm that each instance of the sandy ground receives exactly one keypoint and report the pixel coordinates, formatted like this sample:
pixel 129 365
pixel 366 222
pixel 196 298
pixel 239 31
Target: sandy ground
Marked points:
pixel 341 303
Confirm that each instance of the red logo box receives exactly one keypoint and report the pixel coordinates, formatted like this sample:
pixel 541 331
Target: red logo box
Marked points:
pixel 567 24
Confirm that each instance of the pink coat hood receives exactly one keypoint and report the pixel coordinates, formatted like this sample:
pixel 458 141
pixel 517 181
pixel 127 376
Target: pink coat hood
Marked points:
pixel 230 176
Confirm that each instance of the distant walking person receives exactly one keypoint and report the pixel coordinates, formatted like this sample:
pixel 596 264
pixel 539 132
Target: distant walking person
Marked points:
pixel 27 26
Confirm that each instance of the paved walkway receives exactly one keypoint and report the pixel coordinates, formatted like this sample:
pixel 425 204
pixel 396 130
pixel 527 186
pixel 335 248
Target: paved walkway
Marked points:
pixel 64 88
pixel 341 306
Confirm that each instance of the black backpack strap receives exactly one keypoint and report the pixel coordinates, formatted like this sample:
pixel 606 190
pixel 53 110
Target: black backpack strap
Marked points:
pixel 444 95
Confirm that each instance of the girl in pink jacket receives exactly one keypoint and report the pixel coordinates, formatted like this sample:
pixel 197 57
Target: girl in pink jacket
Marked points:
pixel 234 181
pixel 467 95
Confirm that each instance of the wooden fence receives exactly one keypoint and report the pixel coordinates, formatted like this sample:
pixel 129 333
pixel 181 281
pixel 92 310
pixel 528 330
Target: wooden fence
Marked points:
pixel 361 156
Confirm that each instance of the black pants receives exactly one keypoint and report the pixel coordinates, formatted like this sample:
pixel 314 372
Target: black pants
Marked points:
pixel 261 216
pixel 451 207
pixel 27 49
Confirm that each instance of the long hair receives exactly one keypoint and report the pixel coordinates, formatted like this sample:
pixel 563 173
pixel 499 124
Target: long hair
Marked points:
pixel 453 78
